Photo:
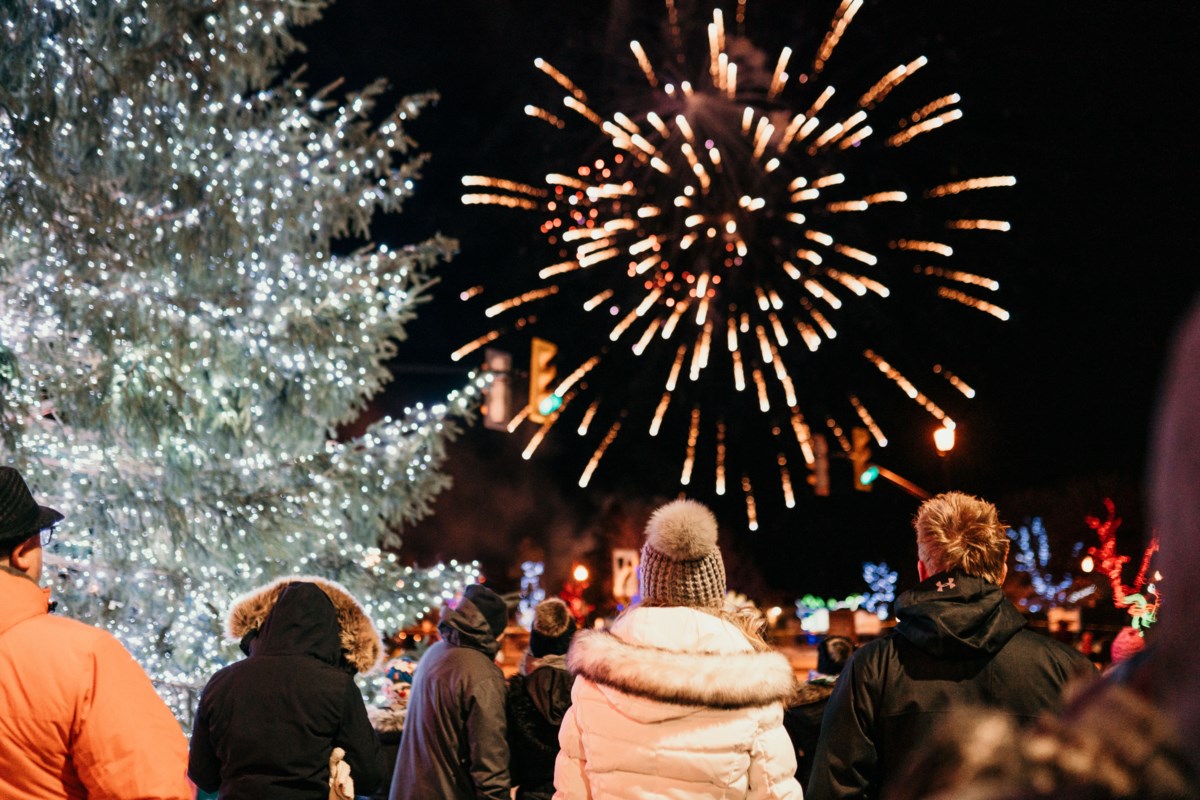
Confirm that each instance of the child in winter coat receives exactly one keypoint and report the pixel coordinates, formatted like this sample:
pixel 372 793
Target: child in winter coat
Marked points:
pixel 267 725
pixel 675 700
pixel 538 697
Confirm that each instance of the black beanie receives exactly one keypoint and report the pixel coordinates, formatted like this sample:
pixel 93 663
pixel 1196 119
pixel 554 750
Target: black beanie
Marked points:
pixel 553 627
pixel 491 605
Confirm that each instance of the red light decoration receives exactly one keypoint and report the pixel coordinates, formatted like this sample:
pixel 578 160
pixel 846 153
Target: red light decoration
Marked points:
pixel 1110 563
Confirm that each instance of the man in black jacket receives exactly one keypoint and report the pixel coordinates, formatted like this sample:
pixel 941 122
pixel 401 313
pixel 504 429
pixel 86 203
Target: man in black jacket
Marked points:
pixel 454 745
pixel 958 642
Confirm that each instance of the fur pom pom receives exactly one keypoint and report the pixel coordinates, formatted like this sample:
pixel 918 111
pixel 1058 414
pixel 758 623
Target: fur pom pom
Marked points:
pixel 551 617
pixel 682 530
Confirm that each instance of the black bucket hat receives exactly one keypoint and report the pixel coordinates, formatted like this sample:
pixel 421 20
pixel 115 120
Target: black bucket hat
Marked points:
pixel 20 515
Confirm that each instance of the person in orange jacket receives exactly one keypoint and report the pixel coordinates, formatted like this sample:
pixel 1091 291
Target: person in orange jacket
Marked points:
pixel 78 716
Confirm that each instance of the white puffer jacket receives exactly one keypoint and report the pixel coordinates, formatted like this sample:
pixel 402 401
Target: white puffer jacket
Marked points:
pixel 674 703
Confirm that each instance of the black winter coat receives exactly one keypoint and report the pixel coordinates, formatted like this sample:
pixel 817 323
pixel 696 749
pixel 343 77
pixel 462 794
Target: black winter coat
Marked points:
pixel 266 725
pixel 536 705
pixel 454 745
pixel 958 642
pixel 802 721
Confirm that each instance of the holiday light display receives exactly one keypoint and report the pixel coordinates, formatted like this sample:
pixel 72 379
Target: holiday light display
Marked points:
pixel 813 611
pixel 881 588
pixel 740 223
pixel 178 337
pixel 1032 558
pixel 1140 599
pixel 532 592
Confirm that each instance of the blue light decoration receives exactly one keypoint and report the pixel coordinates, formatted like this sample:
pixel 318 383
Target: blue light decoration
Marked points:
pixel 881 588
pixel 532 592
pixel 1033 556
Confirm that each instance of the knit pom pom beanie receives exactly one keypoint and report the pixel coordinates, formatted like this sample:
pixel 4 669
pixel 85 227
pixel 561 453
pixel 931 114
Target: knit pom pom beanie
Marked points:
pixel 553 627
pixel 681 564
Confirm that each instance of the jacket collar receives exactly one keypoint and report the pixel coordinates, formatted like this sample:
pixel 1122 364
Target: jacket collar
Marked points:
pixel 530 662
pixel 20 598
pixel 711 679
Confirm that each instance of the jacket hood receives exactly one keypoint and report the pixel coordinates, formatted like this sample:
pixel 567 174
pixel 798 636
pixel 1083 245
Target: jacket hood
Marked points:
pixel 953 615
pixel 733 676
pixel 466 626
pixel 327 627
pixel 817 690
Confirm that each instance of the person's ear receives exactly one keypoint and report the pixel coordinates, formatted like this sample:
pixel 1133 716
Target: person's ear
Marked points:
pixel 27 556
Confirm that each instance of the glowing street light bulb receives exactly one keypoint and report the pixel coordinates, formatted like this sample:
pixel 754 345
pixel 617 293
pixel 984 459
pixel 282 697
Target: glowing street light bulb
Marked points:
pixel 1087 564
pixel 580 573
pixel 943 439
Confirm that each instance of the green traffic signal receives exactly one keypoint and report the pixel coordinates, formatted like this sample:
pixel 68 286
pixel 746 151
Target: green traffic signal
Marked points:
pixel 869 475
pixel 549 404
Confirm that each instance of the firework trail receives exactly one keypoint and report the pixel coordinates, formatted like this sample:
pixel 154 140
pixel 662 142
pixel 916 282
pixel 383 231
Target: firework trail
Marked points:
pixel 722 241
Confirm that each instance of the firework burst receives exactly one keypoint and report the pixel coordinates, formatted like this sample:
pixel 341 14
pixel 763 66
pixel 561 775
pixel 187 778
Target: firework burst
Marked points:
pixel 736 225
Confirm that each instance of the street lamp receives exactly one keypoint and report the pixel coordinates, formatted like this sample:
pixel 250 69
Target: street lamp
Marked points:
pixel 943 440
pixel 581 573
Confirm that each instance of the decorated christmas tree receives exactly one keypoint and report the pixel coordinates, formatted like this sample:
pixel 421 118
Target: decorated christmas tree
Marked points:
pixel 179 335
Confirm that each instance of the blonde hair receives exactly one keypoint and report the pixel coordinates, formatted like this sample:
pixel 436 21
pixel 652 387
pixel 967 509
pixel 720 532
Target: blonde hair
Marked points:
pixel 956 531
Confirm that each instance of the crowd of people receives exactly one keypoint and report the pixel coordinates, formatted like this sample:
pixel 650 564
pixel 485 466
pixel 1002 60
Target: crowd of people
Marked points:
pixel 679 697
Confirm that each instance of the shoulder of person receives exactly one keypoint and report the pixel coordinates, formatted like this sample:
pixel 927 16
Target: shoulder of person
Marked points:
pixel 872 653
pixel 74 636
pixel 1066 656
pixel 680 629
pixel 545 678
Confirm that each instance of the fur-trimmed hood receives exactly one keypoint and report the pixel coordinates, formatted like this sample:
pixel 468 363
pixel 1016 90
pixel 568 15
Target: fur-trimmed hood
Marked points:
pixel 726 674
pixel 358 639
pixel 817 690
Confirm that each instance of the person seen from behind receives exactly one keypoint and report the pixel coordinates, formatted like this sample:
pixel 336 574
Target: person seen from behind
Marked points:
pixel 806 707
pixel 958 641
pixel 675 699
pixel 538 698
pixel 78 716
pixel 266 726
pixel 454 745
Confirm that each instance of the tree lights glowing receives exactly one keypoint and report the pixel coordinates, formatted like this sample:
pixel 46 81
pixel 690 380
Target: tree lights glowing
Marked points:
pixel 736 225
pixel 178 339
pixel 1033 558
pixel 1140 599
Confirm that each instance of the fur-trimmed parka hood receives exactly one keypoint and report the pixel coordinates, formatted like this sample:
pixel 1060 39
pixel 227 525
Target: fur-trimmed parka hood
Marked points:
pixel 353 633
pixel 643 657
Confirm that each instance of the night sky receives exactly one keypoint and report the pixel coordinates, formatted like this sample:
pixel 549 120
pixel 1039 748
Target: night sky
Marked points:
pixel 1087 104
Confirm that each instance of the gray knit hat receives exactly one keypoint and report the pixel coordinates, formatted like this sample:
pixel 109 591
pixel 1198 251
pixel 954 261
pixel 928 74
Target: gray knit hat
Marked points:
pixel 681 565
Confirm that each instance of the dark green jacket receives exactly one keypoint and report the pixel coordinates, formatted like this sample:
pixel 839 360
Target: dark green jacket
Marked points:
pixel 454 745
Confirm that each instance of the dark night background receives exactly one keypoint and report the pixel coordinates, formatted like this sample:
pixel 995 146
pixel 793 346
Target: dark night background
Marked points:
pixel 1087 103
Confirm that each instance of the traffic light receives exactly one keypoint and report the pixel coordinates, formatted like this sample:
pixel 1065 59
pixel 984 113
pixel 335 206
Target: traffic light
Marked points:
pixel 542 400
pixel 865 472
pixel 820 474
pixel 497 409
